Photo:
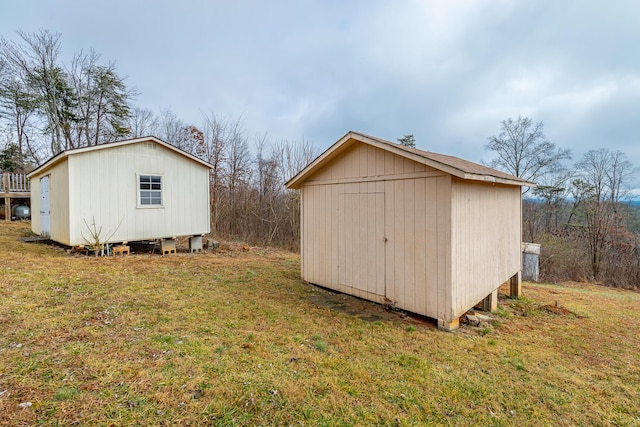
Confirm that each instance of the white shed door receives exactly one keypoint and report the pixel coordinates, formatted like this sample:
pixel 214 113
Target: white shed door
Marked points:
pixel 361 241
pixel 44 206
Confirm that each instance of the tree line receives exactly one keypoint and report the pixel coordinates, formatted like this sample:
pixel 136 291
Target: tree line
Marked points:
pixel 579 213
pixel 47 106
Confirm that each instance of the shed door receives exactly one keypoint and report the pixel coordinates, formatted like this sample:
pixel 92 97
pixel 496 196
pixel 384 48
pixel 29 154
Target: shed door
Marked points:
pixel 44 206
pixel 361 241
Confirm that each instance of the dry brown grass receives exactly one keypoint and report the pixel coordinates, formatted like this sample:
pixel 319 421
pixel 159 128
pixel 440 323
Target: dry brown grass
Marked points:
pixel 235 338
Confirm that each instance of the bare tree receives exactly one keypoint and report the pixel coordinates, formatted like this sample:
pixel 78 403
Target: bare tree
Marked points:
pixel 142 122
pixel 17 107
pixel 179 134
pixel 618 175
pixel 268 210
pixel 553 190
pixel 291 157
pixel 603 175
pixel 217 133
pixel 523 149
pixel 238 167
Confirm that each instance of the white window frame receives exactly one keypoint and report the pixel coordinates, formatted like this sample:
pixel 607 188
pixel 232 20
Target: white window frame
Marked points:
pixel 140 190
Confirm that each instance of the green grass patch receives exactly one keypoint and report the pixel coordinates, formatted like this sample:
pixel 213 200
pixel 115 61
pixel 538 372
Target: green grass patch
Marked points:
pixel 66 393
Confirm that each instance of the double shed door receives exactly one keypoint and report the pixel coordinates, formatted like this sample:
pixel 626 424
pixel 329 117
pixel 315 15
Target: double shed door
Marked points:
pixel 388 243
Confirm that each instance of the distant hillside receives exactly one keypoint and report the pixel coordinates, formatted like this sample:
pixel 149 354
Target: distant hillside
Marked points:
pixel 635 203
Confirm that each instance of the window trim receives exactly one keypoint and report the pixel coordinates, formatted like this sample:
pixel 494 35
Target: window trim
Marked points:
pixel 139 191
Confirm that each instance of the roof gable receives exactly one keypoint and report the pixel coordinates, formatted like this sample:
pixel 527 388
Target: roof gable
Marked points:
pixel 455 166
pixel 63 155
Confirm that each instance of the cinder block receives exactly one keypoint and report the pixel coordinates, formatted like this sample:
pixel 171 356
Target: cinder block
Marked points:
pixel 168 246
pixel 120 250
pixel 195 244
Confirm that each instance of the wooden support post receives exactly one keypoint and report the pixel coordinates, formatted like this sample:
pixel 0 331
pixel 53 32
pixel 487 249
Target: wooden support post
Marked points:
pixel 490 303
pixel 515 285
pixel 7 209
pixel 7 199
pixel 448 326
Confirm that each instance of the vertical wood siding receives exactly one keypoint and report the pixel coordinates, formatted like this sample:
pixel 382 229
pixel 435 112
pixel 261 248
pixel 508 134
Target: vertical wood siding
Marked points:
pixel 102 185
pixel 58 203
pixel 36 224
pixel 347 215
pixel 485 240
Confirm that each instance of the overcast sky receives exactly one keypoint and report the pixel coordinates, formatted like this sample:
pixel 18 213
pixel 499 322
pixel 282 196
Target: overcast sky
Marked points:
pixel 445 71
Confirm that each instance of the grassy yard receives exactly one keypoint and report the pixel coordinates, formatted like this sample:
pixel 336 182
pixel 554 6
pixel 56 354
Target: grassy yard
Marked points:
pixel 236 338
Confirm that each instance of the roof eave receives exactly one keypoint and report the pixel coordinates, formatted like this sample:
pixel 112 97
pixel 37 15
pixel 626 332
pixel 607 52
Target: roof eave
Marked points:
pixel 48 164
pixel 64 154
pixel 296 182
pixel 142 139
pixel 497 180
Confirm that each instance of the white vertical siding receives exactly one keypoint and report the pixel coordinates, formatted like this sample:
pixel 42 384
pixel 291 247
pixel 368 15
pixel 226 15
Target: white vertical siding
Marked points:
pixel 36 224
pixel 104 186
pixel 59 203
pixel 58 200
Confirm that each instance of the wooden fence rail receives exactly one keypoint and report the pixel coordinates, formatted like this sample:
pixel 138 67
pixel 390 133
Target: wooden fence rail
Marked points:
pixel 15 183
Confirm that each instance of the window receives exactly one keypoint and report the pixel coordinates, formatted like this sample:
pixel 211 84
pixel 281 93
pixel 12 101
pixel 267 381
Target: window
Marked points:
pixel 150 190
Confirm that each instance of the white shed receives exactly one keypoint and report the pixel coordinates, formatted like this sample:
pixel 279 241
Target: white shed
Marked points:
pixel 424 232
pixel 138 189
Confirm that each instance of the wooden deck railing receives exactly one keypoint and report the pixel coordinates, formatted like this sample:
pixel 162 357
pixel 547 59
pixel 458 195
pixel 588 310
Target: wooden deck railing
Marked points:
pixel 14 183
pixel 13 186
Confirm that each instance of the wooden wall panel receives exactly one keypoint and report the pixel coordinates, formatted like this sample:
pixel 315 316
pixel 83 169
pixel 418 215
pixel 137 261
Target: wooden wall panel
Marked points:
pixel 409 239
pixel 443 232
pixel 432 248
pixel 360 241
pixel 59 188
pixel 398 280
pixel 486 250
pixel 422 281
pixel 36 223
pixel 104 186
pixel 59 193
pixel 412 251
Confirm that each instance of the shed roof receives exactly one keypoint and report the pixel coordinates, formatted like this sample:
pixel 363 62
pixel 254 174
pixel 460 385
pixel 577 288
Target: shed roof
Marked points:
pixel 455 166
pixel 65 154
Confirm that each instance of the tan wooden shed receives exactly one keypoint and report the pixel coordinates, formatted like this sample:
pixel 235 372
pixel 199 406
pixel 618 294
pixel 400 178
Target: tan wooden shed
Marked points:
pixel 427 233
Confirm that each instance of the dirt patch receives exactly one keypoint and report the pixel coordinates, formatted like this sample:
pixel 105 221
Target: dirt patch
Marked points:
pixel 364 309
pixel 559 310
